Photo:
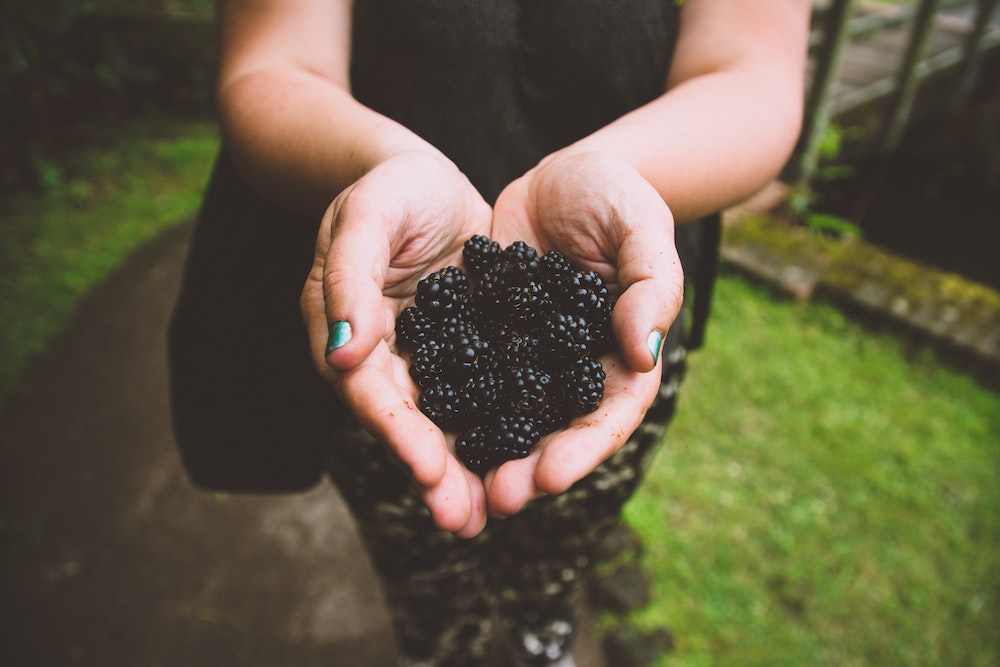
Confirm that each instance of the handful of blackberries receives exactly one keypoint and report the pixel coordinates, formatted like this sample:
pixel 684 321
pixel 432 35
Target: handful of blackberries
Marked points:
pixel 510 351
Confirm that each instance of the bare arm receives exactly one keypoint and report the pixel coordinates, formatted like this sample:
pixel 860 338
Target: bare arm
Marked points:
pixel 288 116
pixel 725 126
pixel 732 109
pixel 395 208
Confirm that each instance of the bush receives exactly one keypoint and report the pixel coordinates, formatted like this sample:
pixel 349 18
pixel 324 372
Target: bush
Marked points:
pixel 67 65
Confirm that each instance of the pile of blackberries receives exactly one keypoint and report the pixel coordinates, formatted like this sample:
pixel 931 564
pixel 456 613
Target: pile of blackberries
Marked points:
pixel 509 352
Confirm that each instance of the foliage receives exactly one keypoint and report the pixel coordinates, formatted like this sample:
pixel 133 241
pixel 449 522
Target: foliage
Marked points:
pixel 35 38
pixel 832 225
pixel 96 207
pixel 826 497
pixel 66 64
pixel 804 199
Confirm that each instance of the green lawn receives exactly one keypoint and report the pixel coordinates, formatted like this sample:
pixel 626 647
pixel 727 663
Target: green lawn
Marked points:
pixel 823 499
pixel 96 206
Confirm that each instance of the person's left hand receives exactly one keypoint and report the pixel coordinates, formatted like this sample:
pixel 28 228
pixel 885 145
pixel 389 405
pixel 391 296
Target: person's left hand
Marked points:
pixel 597 210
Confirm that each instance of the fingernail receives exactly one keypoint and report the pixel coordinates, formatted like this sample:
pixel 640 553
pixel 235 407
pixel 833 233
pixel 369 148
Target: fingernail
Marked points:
pixel 340 334
pixel 654 341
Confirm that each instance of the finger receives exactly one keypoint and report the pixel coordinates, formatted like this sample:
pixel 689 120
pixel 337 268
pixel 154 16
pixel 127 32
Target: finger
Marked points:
pixel 477 517
pixel 641 318
pixel 450 501
pixel 510 220
pixel 313 307
pixel 512 486
pixel 571 454
pixel 388 412
pixel 652 281
pixel 353 276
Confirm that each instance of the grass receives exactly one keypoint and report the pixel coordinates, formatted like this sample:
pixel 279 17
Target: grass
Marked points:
pixel 97 205
pixel 825 497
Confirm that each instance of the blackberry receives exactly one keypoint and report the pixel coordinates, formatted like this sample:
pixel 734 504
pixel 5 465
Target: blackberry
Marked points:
pixel 478 449
pixel 527 389
pixel 526 303
pixel 483 392
pixel 413 327
pixel 480 254
pixel 512 359
pixel 443 293
pixel 516 435
pixel 555 266
pixel 464 354
pixel 443 403
pixel 583 386
pixel 486 446
pixel 519 261
pixel 454 325
pixel 601 335
pixel 566 337
pixel 584 292
pixel 424 362
pixel 517 264
pixel 515 347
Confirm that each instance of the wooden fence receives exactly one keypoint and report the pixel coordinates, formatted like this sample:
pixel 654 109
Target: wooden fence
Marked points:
pixel 876 54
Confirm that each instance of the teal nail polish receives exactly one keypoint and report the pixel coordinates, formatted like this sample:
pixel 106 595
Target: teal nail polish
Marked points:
pixel 340 334
pixel 654 341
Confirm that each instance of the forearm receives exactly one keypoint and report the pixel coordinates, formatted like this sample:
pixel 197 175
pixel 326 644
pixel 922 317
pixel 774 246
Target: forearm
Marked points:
pixel 288 118
pixel 731 113
pixel 708 143
pixel 300 140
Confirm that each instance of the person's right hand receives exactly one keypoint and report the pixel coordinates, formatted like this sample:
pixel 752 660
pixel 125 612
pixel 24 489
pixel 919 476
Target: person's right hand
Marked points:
pixel 405 218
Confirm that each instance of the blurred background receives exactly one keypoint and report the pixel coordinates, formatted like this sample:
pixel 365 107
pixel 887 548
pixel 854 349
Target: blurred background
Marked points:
pixel 829 495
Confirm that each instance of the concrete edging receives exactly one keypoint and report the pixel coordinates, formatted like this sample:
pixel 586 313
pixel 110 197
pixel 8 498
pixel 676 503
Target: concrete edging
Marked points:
pixel 958 318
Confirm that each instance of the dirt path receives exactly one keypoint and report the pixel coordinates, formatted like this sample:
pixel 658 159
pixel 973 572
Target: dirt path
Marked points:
pixel 110 558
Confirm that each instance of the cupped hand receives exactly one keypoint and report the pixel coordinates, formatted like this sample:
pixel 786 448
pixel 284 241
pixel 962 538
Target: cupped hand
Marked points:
pixel 408 216
pixel 597 210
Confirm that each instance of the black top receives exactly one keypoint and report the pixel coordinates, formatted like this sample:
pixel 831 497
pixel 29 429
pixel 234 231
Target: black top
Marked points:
pixel 496 85
pixel 499 84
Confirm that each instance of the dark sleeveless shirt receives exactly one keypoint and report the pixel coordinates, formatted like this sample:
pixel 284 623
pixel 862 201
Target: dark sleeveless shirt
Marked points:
pixel 496 85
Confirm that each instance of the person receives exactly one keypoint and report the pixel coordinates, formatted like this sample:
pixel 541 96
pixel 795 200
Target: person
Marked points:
pixel 604 129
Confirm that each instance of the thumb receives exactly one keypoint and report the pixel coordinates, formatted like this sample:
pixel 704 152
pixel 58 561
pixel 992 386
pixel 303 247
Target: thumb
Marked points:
pixel 351 265
pixel 652 281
